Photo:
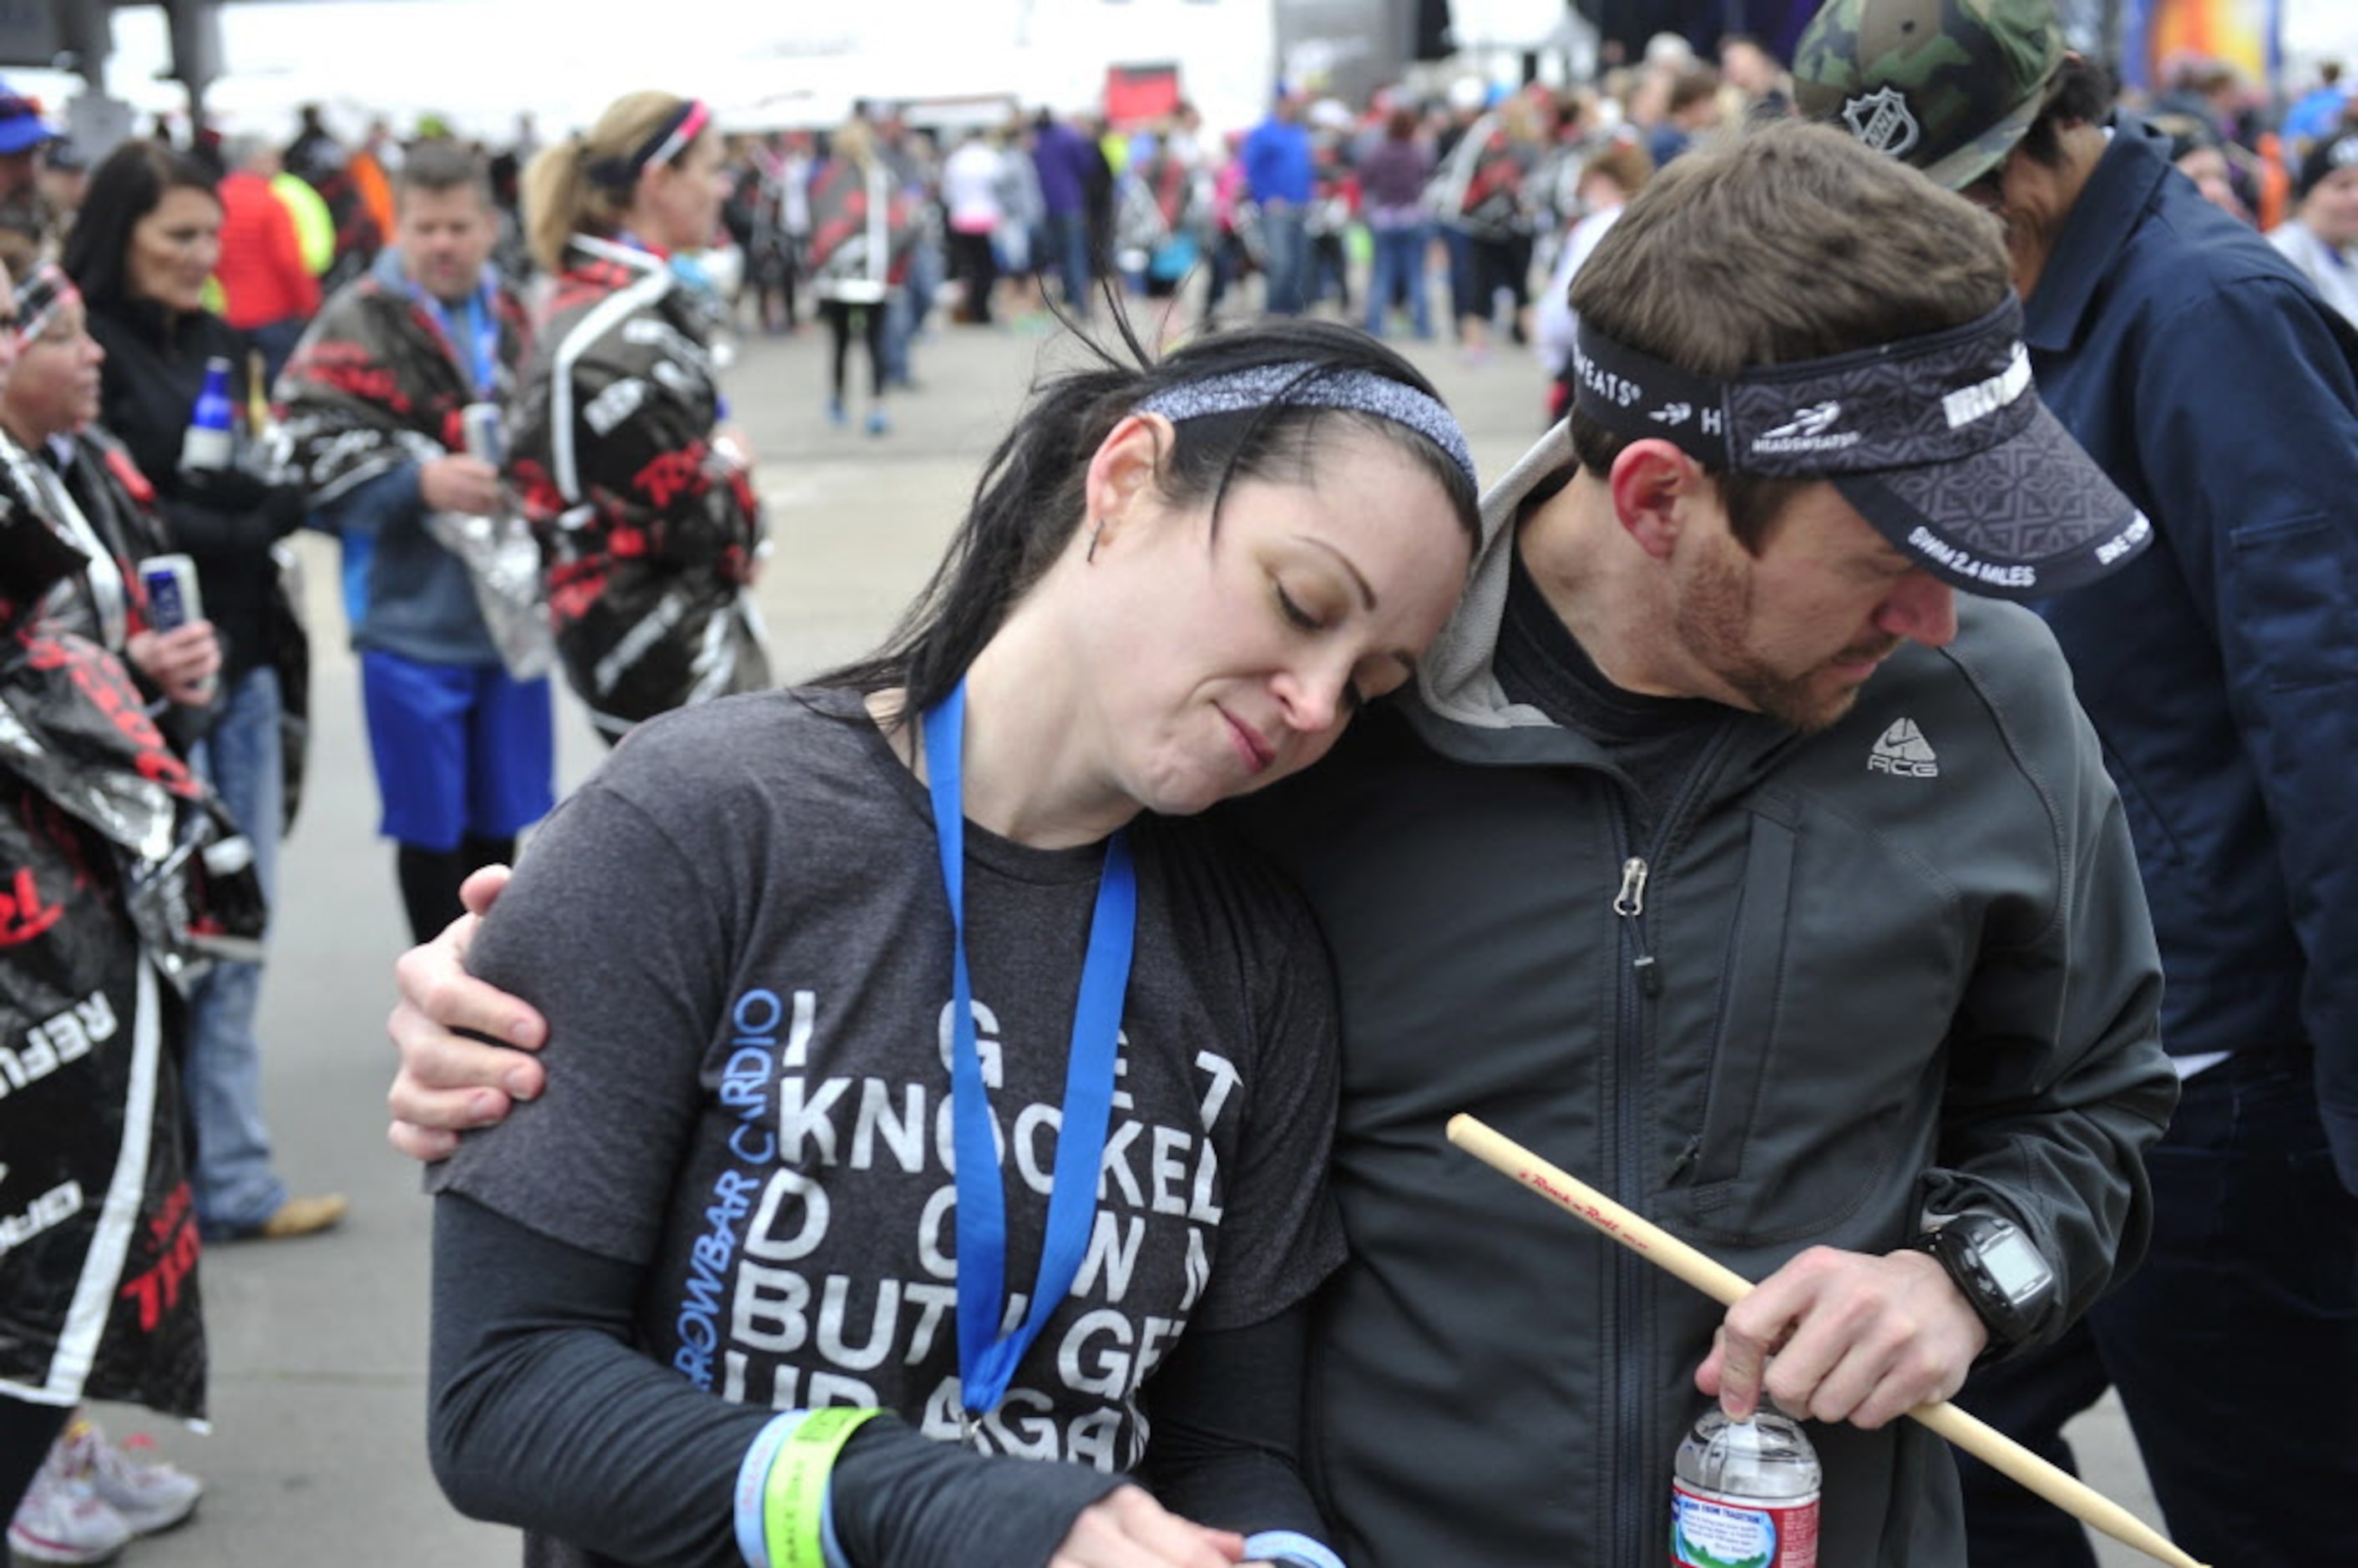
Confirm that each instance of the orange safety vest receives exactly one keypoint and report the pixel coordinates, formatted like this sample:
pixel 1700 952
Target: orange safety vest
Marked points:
pixel 375 190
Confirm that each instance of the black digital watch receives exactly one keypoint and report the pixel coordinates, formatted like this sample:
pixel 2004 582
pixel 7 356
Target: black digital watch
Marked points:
pixel 1997 1269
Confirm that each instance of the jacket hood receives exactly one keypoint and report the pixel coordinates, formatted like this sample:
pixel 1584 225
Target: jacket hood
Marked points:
pixel 1455 685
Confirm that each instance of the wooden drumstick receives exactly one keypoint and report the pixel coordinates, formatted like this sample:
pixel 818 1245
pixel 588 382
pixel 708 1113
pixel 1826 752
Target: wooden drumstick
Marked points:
pixel 1726 1286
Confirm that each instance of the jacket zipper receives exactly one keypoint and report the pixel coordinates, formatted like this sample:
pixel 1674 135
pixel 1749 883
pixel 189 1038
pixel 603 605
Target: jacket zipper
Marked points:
pixel 1631 1518
pixel 1639 978
pixel 1629 904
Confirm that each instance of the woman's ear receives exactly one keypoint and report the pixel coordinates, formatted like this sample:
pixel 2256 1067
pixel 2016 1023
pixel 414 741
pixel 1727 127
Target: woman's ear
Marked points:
pixel 1120 473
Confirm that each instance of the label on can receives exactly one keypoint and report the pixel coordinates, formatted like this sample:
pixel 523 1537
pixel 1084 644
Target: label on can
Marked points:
pixel 1711 1529
pixel 172 585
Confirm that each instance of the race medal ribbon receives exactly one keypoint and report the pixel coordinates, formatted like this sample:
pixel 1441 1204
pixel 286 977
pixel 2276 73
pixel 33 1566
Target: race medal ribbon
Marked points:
pixel 480 343
pixel 986 1358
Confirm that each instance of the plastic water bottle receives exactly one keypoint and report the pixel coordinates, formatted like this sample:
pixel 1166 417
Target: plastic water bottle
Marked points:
pixel 1745 1494
pixel 211 435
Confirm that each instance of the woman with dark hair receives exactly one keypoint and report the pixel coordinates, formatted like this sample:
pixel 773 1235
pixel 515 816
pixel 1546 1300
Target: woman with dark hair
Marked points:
pixel 937 907
pixel 148 239
pixel 642 494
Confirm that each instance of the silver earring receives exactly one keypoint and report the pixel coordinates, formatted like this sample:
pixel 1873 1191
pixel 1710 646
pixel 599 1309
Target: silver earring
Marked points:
pixel 1096 532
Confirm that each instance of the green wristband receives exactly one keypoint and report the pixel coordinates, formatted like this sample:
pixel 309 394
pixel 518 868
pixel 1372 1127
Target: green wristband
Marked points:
pixel 794 1503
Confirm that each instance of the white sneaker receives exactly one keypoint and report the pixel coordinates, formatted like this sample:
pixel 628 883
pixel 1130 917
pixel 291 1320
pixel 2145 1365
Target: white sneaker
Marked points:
pixel 147 1493
pixel 63 1520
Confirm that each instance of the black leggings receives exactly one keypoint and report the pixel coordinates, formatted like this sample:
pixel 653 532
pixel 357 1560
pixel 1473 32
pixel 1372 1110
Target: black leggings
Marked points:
pixel 975 265
pixel 430 879
pixel 27 1430
pixel 839 314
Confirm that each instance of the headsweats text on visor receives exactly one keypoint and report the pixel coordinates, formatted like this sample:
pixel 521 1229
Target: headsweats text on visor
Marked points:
pixel 1941 442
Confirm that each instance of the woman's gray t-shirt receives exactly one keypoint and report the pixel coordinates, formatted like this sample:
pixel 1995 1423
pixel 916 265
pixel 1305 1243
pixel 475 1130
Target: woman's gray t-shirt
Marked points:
pixel 739 935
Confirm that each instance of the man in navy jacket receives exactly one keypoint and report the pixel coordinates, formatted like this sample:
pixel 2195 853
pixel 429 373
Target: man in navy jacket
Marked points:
pixel 2220 670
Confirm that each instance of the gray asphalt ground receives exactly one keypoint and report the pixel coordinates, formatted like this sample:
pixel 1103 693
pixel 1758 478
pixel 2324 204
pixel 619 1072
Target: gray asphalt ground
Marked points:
pixel 315 1453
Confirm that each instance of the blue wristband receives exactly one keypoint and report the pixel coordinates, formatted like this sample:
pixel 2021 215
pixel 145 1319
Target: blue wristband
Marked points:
pixel 752 1482
pixel 1289 1546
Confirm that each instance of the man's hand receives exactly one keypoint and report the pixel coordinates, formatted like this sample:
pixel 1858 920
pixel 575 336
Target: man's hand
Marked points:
pixel 1846 1336
pixel 459 483
pixel 182 662
pixel 448 1083
pixel 1131 1530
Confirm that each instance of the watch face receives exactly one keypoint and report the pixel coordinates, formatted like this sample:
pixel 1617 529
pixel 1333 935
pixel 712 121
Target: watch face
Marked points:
pixel 2015 1265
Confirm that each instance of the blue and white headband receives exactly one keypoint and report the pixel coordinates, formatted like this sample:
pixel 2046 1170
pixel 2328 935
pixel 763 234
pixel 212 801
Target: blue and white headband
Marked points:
pixel 1304 385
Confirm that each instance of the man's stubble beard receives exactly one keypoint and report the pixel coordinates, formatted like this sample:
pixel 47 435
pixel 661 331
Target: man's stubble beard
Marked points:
pixel 1714 619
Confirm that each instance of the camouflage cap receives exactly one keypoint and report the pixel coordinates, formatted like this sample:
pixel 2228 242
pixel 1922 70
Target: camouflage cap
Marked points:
pixel 1947 85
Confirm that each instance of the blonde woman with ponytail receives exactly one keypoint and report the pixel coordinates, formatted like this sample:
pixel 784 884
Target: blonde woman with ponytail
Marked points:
pixel 862 226
pixel 644 501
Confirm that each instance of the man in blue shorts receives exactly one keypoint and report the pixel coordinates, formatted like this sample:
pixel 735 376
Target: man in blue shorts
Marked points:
pixel 377 414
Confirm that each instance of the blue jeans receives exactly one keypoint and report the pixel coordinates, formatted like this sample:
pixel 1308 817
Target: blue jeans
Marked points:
pixel 1285 259
pixel 2234 1349
pixel 900 329
pixel 277 339
pixel 1464 293
pixel 1068 248
pixel 1400 271
pixel 905 311
pixel 235 1187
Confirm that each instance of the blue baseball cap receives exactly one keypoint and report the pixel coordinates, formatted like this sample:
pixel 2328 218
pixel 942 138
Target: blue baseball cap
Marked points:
pixel 21 127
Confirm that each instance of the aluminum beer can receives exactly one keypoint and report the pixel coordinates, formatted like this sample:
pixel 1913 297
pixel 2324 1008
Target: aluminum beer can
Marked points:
pixel 173 600
pixel 172 597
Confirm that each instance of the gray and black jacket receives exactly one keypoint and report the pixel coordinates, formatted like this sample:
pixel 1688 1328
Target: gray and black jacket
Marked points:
pixel 1899 968
pixel 651 523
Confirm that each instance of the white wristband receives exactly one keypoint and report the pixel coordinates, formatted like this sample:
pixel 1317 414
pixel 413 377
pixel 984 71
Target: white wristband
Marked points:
pixel 753 1478
pixel 1289 1546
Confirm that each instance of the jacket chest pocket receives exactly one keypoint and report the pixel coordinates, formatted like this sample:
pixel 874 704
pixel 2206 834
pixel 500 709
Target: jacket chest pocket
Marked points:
pixel 1839 979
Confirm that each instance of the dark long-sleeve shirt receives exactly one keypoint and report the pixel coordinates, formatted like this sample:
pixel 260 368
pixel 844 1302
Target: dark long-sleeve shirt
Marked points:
pixel 531 1335
pixel 155 369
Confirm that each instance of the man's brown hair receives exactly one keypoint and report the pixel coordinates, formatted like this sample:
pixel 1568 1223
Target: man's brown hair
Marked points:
pixel 442 165
pixel 1788 242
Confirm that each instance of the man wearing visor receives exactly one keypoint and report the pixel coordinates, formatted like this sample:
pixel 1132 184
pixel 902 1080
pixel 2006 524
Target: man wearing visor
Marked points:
pixel 1745 856
pixel 1737 852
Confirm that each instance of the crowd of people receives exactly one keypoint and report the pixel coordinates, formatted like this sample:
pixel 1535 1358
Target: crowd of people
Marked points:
pixel 815 1240
pixel 1470 207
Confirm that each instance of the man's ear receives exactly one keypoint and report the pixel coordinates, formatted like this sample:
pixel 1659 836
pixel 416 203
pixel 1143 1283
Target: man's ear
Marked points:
pixel 1121 472
pixel 1652 483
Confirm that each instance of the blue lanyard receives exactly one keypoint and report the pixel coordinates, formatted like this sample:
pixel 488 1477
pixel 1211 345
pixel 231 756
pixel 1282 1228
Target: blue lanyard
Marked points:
pixel 988 1359
pixel 481 339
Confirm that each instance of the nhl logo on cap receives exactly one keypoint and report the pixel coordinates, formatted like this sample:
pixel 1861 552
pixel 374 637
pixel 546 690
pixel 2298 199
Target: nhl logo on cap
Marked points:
pixel 1880 119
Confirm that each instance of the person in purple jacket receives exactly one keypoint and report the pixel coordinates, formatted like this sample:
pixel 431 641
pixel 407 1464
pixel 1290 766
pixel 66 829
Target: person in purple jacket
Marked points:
pixel 1392 176
pixel 1063 156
